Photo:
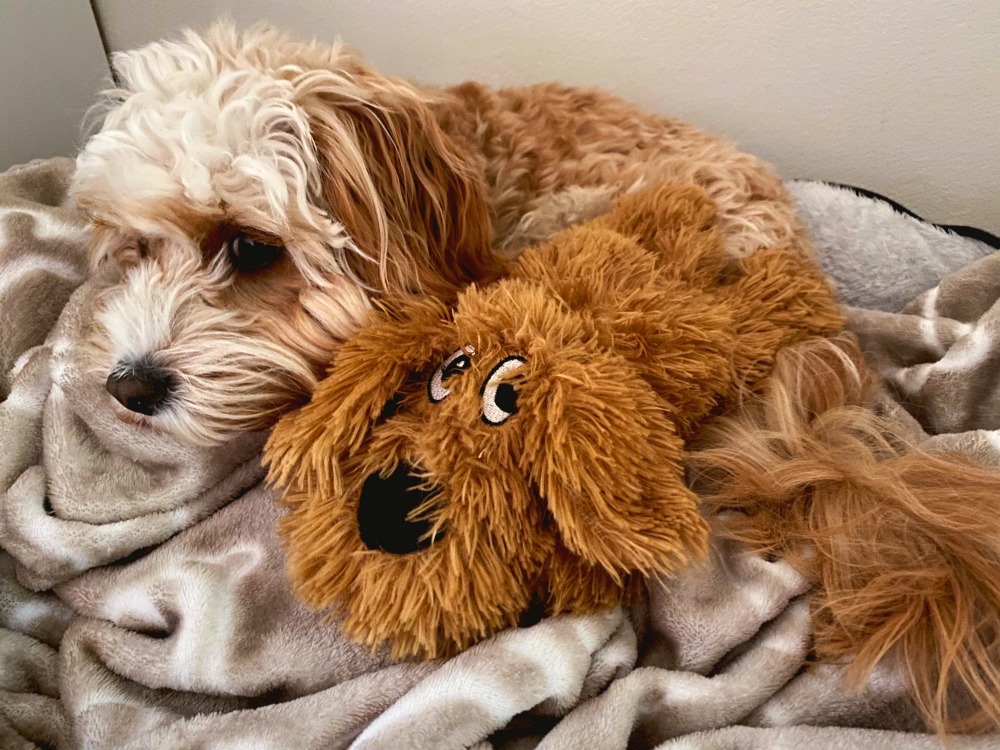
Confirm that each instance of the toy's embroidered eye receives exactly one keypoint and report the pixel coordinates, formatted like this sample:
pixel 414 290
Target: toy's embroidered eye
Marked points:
pixel 499 395
pixel 457 362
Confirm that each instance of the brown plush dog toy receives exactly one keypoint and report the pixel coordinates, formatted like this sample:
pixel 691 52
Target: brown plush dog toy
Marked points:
pixel 521 448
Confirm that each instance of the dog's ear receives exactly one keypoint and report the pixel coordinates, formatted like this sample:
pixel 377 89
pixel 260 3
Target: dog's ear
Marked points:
pixel 409 196
pixel 369 370
pixel 608 465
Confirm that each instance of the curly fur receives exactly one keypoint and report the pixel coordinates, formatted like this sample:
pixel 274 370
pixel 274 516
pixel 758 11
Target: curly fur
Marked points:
pixel 631 329
pixel 904 545
pixel 371 183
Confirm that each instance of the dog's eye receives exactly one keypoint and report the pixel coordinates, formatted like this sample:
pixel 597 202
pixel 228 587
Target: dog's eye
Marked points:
pixel 500 395
pixel 456 362
pixel 251 255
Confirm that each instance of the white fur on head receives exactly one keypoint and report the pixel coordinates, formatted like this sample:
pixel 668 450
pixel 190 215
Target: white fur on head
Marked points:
pixel 204 139
pixel 203 128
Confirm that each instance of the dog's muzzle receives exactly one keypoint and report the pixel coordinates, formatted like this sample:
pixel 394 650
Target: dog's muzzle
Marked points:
pixel 384 509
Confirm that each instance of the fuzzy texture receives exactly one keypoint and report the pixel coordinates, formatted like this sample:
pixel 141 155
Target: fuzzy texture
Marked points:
pixel 42 243
pixel 367 182
pixel 878 255
pixel 618 337
pixel 199 641
pixel 904 546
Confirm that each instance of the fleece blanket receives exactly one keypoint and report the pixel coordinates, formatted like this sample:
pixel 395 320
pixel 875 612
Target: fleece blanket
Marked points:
pixel 144 604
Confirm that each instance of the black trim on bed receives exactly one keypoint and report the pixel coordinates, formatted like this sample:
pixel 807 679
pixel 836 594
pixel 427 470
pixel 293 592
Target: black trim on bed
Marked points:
pixel 973 233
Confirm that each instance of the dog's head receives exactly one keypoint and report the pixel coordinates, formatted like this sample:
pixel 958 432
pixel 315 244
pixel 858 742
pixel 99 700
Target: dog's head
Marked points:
pixel 247 193
pixel 461 467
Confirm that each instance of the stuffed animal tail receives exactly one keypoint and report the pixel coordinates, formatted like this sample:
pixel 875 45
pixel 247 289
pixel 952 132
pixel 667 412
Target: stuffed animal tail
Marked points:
pixel 903 545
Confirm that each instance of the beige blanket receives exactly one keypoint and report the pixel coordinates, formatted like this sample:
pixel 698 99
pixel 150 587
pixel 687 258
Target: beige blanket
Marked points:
pixel 143 601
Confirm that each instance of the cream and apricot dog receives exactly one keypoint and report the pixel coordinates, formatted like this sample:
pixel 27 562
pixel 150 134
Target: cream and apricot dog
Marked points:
pixel 250 195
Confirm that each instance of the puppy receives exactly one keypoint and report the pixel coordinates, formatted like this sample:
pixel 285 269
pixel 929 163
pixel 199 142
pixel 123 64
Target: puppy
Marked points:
pixel 250 195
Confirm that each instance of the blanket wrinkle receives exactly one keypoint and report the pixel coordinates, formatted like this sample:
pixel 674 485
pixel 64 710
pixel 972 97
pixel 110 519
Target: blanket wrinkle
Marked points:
pixel 42 253
pixel 42 261
pixel 547 666
pixel 940 355
pixel 144 602
pixel 724 603
pixel 43 616
pixel 210 612
pixel 816 738
pixel 882 703
pixel 651 705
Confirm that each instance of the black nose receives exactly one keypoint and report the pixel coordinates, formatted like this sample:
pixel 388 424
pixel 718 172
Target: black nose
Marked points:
pixel 383 510
pixel 140 387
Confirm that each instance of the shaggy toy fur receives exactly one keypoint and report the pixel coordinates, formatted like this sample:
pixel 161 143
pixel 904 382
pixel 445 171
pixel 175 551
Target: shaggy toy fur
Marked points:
pixel 904 545
pixel 249 192
pixel 522 449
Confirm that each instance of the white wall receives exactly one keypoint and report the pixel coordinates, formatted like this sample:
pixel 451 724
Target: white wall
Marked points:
pixel 51 67
pixel 900 97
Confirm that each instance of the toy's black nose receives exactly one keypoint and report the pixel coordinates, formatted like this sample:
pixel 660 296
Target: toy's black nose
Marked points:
pixel 383 510
pixel 140 387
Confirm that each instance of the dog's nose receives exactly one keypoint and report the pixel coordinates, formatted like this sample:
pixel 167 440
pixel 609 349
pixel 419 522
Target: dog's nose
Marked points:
pixel 383 510
pixel 140 387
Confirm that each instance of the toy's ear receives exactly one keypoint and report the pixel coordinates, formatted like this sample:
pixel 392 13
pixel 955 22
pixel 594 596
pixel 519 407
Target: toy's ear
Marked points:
pixel 608 463
pixel 369 370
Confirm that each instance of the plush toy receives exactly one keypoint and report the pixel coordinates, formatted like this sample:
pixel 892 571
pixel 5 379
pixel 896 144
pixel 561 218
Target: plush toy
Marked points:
pixel 520 448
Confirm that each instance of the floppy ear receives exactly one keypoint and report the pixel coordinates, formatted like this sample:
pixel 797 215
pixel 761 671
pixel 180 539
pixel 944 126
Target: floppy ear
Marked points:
pixel 407 193
pixel 607 462
pixel 305 446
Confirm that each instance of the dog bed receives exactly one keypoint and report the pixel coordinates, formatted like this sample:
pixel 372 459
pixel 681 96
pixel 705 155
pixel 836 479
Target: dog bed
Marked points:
pixel 143 600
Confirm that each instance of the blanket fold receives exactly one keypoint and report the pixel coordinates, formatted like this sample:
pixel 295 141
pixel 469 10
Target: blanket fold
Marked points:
pixel 144 601
pixel 43 260
pixel 940 355
pixel 204 626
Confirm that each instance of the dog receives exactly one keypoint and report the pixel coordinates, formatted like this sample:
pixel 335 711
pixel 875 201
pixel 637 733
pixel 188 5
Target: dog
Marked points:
pixel 250 197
